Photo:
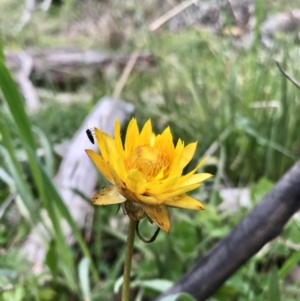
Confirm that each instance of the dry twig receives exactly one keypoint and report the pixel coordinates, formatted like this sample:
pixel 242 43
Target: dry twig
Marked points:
pixel 291 79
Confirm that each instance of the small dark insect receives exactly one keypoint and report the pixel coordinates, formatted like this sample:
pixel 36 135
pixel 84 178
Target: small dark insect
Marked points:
pixel 90 135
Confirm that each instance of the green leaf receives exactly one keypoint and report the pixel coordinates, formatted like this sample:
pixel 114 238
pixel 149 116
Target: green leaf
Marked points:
pixel 18 294
pixel 273 288
pixel 48 156
pixel 46 294
pixel 118 284
pixel 245 125
pixel 260 189
pixel 289 265
pixel 1 49
pixel 184 247
pixel 179 297
pixel 159 285
pixel 6 178
pixel 83 272
pixel 15 103
pixel 52 258
pixel 225 292
pixel 15 170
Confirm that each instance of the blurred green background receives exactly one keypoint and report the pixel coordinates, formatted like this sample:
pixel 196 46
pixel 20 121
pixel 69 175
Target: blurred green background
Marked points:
pixel 233 101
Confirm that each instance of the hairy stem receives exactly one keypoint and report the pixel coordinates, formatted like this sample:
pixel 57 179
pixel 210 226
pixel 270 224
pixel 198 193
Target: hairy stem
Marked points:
pixel 128 259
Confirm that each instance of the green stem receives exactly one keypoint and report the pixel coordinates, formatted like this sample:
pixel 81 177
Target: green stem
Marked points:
pixel 128 259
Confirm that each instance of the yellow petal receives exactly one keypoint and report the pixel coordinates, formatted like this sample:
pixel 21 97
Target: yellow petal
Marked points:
pixel 101 139
pixel 175 169
pixel 160 175
pixel 100 164
pixel 184 178
pixel 115 160
pixel 148 200
pixel 111 157
pixel 132 136
pixel 118 181
pixel 109 153
pixel 187 154
pixel 118 141
pixel 159 215
pixel 163 196
pixel 157 187
pixel 145 135
pixel 136 182
pixel 129 195
pixel 152 139
pixel 107 196
pixel 164 142
pixel 197 178
pixel 184 201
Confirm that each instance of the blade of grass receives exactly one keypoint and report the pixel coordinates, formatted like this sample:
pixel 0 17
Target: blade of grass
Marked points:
pixel 6 178
pixel 260 12
pixel 83 273
pixel 47 149
pixel 49 195
pixel 273 288
pixel 18 113
pixel 290 263
pixel 15 170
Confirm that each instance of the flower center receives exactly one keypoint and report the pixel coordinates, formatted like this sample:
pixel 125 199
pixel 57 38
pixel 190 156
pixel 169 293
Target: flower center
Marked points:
pixel 148 160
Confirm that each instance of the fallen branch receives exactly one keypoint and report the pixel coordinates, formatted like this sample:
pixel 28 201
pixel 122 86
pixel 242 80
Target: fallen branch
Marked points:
pixel 263 224
pixel 64 65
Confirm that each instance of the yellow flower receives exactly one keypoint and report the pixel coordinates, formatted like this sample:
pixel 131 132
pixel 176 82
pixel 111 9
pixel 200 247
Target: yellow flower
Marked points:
pixel 146 173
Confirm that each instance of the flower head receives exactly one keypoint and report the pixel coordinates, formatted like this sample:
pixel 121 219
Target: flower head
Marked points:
pixel 146 173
